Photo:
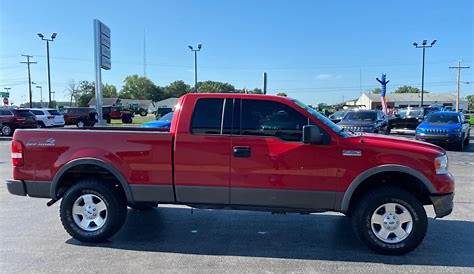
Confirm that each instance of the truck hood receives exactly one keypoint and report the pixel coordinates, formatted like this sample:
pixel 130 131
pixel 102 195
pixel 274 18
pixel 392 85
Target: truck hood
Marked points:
pixel 390 142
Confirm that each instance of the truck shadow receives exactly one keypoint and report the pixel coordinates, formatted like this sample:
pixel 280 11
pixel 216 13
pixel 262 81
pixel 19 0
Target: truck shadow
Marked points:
pixel 254 234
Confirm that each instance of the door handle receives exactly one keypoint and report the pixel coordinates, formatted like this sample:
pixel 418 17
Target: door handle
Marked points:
pixel 242 152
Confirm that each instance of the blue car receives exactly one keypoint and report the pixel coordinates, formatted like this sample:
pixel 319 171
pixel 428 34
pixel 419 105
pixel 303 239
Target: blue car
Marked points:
pixel 163 123
pixel 444 128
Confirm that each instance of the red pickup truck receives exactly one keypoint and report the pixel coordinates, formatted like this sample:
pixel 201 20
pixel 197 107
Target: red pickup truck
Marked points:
pixel 237 151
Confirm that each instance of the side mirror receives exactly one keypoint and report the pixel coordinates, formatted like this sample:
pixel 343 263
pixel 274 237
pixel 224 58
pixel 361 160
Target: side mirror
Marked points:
pixel 312 135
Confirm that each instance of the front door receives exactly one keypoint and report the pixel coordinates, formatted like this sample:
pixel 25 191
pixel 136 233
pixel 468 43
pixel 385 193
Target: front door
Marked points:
pixel 272 167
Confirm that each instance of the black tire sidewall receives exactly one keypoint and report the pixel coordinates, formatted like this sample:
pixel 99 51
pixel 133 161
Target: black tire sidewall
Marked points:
pixel 362 224
pixel 116 211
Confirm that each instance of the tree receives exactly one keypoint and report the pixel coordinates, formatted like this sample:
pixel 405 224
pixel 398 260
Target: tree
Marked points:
pixel 138 87
pixel 109 91
pixel 408 89
pixel 214 87
pixel 470 101
pixel 281 94
pixel 177 89
pixel 84 93
pixel 376 91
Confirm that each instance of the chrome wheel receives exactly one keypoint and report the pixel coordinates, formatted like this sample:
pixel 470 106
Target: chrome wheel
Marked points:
pixel 80 124
pixel 89 212
pixel 391 223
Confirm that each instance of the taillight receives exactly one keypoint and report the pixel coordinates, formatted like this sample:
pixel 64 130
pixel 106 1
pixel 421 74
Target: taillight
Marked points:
pixel 17 153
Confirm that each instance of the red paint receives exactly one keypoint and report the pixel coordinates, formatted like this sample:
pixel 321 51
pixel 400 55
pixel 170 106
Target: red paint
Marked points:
pixel 205 160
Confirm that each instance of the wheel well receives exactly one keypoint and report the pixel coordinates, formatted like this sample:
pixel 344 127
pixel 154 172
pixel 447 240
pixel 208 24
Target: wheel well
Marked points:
pixel 88 171
pixel 393 178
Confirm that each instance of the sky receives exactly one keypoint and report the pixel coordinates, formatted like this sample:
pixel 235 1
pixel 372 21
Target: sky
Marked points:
pixel 315 51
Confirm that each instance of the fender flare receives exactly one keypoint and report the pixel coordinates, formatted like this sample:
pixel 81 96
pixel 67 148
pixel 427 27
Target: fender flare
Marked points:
pixel 90 161
pixel 379 169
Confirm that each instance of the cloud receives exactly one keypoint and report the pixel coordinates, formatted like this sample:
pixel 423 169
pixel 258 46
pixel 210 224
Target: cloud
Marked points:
pixel 327 76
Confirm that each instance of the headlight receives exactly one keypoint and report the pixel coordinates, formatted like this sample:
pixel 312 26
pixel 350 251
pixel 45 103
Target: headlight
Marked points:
pixel 441 164
pixel 420 130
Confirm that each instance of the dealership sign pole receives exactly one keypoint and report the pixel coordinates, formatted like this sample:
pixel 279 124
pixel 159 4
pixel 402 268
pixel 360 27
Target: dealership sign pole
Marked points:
pixel 102 61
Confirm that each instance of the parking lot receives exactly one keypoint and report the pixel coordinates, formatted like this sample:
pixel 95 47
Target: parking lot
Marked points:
pixel 181 240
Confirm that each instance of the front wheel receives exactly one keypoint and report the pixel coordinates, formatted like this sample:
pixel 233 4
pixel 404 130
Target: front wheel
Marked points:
pixel 6 130
pixel 390 220
pixel 91 211
pixel 466 141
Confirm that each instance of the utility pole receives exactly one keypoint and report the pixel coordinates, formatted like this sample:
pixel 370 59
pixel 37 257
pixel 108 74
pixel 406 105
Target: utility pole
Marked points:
pixel 144 53
pixel 459 68
pixel 423 46
pixel 53 36
pixel 28 62
pixel 41 92
pixel 199 46
pixel 264 83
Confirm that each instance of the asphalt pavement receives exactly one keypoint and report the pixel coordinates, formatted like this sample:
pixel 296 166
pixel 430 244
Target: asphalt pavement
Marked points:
pixel 176 239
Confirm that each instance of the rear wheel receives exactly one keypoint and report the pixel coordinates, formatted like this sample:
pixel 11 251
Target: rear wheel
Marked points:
pixel 459 146
pixel 390 220
pixel 80 124
pixel 91 211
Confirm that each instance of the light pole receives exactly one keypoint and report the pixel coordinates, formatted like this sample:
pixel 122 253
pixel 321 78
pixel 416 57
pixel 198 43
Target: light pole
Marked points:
pixel 423 46
pixel 199 46
pixel 41 93
pixel 53 36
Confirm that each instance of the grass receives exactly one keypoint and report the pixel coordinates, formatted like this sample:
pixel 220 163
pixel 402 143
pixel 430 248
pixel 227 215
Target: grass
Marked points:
pixel 137 120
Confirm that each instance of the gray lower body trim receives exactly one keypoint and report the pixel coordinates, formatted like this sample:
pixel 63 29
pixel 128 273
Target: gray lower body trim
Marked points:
pixel 152 193
pixel 202 194
pixel 302 199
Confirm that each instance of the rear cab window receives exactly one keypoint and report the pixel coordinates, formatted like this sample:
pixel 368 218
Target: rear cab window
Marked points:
pixel 207 116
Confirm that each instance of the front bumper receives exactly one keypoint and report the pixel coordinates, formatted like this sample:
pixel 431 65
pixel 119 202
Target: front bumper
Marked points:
pixel 438 139
pixel 31 188
pixel 443 204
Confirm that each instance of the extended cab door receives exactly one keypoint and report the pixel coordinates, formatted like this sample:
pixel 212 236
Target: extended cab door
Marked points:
pixel 272 167
pixel 202 152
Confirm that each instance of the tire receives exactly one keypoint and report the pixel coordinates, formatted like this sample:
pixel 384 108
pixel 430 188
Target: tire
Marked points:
pixel 143 113
pixel 459 146
pixel 110 208
pixel 41 124
pixel 6 130
pixel 466 141
pixel 80 124
pixel 373 205
pixel 143 206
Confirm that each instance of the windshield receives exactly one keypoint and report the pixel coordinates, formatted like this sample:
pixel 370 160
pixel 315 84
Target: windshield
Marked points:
pixel 443 118
pixel 409 113
pixel 361 116
pixel 339 130
pixel 167 117
pixel 338 115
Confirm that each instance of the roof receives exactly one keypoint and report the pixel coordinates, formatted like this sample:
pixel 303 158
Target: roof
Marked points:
pixel 405 97
pixel 105 101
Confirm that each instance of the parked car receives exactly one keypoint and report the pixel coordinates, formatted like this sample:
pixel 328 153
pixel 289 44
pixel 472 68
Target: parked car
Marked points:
pixel 237 151
pixel 406 120
pixel 445 128
pixel 80 116
pixel 117 113
pixel 15 118
pixel 337 116
pixel 48 117
pixel 164 122
pixel 370 121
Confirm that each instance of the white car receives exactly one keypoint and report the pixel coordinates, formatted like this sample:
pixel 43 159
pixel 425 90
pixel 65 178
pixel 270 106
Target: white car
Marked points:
pixel 47 117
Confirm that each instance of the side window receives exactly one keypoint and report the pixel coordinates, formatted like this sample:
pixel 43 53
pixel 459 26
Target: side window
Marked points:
pixel 267 118
pixel 37 112
pixel 207 116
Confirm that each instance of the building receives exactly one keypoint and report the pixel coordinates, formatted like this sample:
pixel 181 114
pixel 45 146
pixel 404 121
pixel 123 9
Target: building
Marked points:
pixel 402 100
pixel 167 103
